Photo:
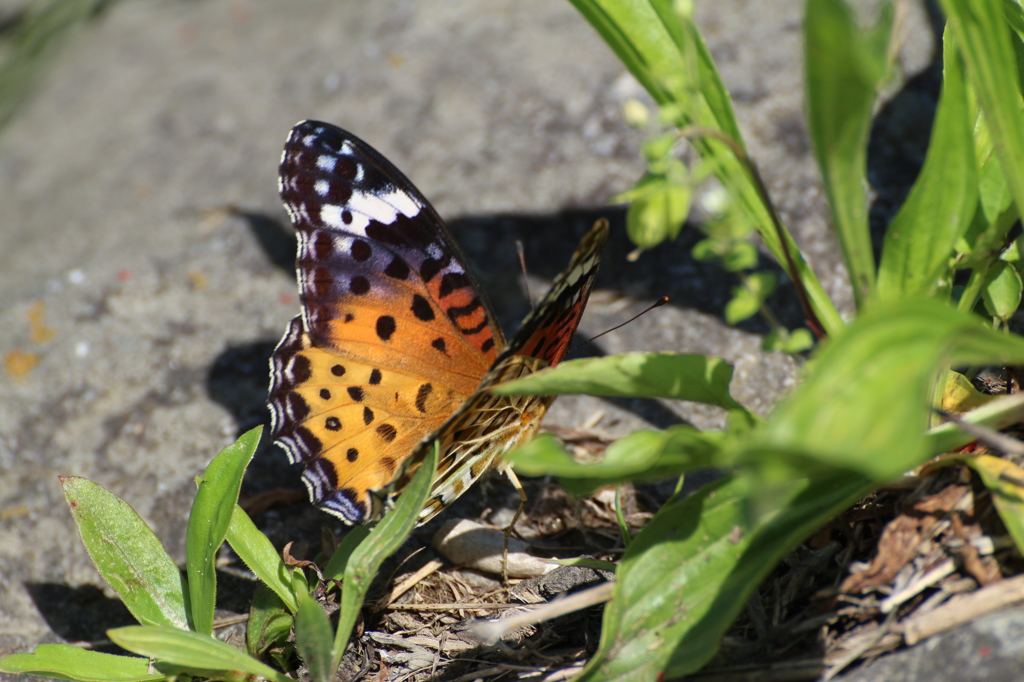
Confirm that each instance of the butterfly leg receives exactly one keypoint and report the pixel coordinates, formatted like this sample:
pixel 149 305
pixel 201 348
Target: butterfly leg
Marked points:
pixel 511 528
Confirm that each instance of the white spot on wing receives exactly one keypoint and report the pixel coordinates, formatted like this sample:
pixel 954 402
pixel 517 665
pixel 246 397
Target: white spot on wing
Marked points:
pixel 330 215
pixel 373 207
pixel 322 187
pixel 401 201
pixel 326 163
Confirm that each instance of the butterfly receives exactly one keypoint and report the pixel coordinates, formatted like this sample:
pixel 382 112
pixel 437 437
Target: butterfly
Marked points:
pixel 397 345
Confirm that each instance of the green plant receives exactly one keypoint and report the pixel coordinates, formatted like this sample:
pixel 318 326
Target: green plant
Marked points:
pixel 175 634
pixel 859 419
pixel 861 416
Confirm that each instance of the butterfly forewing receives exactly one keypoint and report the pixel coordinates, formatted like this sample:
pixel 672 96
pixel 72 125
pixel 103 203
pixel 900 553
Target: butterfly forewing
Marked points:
pixel 394 333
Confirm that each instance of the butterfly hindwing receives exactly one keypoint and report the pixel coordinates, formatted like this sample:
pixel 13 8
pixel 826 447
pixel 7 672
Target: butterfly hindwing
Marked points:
pixel 548 330
pixel 487 426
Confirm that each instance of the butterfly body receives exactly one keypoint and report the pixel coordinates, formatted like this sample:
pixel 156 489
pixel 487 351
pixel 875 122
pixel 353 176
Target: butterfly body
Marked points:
pixel 397 344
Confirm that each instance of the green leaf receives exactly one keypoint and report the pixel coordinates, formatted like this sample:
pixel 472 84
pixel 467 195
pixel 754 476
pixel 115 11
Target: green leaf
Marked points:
pixel 866 404
pixel 127 554
pixel 335 569
pixel 66 662
pixel 258 553
pixel 691 570
pixel 191 650
pixel 385 538
pixel 658 214
pixel 209 521
pixel 743 304
pixel 1002 291
pixel 620 518
pixel 997 414
pixel 984 39
pixel 653 375
pixel 741 255
pixel 314 639
pixel 1003 479
pixel 993 191
pixel 844 68
pixel 269 622
pixel 748 298
pixel 640 456
pixel 795 341
pixel 857 420
pixel 919 244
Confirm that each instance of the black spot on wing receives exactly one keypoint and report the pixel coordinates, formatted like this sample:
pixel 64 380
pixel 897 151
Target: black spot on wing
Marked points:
pixel 421 397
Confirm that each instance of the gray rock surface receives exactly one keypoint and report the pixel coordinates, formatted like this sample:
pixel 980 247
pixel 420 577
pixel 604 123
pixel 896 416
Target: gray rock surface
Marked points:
pixel 990 649
pixel 144 257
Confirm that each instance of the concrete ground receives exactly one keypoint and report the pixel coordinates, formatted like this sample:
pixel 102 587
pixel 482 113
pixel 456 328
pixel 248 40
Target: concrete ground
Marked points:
pixel 145 259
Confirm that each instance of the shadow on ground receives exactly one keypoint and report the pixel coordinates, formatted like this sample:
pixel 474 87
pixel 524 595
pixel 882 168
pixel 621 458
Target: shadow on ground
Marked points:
pixel 238 378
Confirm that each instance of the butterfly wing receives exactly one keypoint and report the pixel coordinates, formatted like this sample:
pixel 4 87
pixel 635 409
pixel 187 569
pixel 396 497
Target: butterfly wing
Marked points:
pixel 547 331
pixel 486 426
pixel 394 332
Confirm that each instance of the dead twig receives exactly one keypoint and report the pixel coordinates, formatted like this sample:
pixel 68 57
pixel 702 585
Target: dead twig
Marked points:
pixel 961 609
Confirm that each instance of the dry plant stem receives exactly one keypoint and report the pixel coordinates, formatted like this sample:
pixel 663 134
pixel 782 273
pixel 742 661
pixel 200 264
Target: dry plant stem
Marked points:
pixel 563 675
pixel 865 646
pixel 491 632
pixel 512 526
pixel 521 252
pixel 493 672
pixel 961 609
pixel 893 601
pixel 467 606
pixel 407 584
pixel 228 621
pixel 990 437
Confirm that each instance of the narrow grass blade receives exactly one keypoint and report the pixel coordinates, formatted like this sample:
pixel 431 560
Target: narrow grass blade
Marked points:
pixel 984 38
pixel 35 40
pixel 640 456
pixel 698 378
pixel 65 662
pixel 1005 481
pixel 190 650
pixel 257 552
pixel 209 521
pixel 314 639
pixel 844 67
pixel 335 569
pixel 996 414
pixel 127 554
pixel 919 244
pixel 385 538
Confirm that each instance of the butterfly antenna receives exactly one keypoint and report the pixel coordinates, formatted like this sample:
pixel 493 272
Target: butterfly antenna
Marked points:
pixel 522 266
pixel 657 304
